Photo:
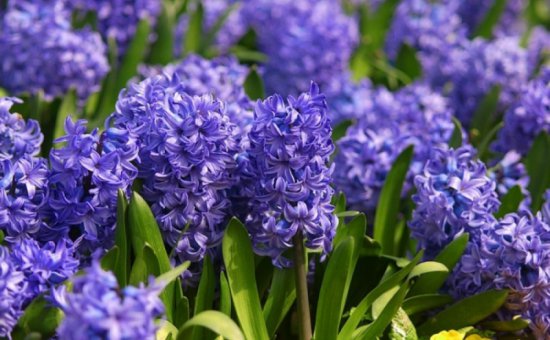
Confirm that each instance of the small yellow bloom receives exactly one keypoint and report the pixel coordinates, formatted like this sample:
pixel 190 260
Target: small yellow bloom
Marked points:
pixel 448 335
pixel 476 337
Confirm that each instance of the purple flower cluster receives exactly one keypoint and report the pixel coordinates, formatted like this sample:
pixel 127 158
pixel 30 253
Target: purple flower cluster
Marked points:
pixel 347 99
pixel 390 122
pixel 39 44
pixel 87 170
pixel 528 117
pixel 305 40
pixel 289 152
pixel 23 176
pixel 510 172
pixel 187 146
pixel 118 19
pixel 26 270
pixel 97 308
pixel 514 254
pixel 454 196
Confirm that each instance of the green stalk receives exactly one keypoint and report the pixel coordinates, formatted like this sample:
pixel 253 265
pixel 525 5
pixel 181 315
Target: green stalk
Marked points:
pixel 304 315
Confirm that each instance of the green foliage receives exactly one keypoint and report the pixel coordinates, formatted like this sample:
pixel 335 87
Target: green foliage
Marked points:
pixel 536 163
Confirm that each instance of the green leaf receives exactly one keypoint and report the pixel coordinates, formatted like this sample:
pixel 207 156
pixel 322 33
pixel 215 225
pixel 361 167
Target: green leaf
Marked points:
pixel 109 91
pixel 379 23
pixel 408 63
pixel 514 325
pixel 172 274
pixel 466 312
pixel 376 328
pixel 246 55
pixel 163 47
pixel 254 85
pixel 380 303
pixel 340 130
pixel 151 260
pixel 388 204
pixel 456 138
pixel 536 163
pixel 194 31
pixel 485 28
pixel 483 147
pixel 483 119
pixel 205 294
pixel 138 274
pixel 357 314
pixel 281 297
pixel 40 317
pixel 217 26
pixel 225 295
pixel 143 229
pixel 422 303
pixel 68 107
pixel 449 256
pixel 109 260
pixel 166 331
pixel 121 241
pixel 428 267
pixel 134 55
pixel 334 290
pixel 181 306
pixel 239 263
pixel 510 202
pixel 215 321
pixel 401 327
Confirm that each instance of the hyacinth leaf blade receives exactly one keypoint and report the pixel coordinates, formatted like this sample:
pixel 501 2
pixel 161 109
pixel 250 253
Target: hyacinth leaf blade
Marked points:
pixel 536 163
pixel 357 229
pixel 456 137
pixel 135 54
pixel 426 268
pixel 484 118
pixel 388 204
pixel 181 305
pixel 39 317
pixel 215 321
pixel 68 107
pixel 408 63
pixel 204 298
pixel 280 299
pixel 379 23
pixel 334 289
pixel 401 327
pixel 161 50
pixel 483 147
pixel 239 263
pixel 194 31
pixel 109 92
pixel 121 241
pixel 109 260
pixel 510 202
pixel 225 295
pixel 210 36
pixel 167 331
pixel 485 28
pixel 375 329
pixel 143 229
pixel 422 303
pixel 466 312
pixel 449 257
pixel 357 314
pixel 138 273
pixel 254 85
pixel 340 130
pixel 514 325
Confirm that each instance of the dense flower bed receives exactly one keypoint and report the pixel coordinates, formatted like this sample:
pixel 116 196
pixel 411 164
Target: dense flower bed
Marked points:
pixel 328 169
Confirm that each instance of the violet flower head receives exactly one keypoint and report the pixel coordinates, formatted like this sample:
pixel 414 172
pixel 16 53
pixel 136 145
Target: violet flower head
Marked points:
pixel 305 41
pixel 454 196
pixel 98 309
pixel 40 45
pixel 12 292
pixel 18 138
pixel 86 173
pixel 529 116
pixel 473 12
pixel 509 172
pixel 512 255
pixel 187 148
pixel 118 19
pixel 290 146
pixel 347 99
pixel 413 116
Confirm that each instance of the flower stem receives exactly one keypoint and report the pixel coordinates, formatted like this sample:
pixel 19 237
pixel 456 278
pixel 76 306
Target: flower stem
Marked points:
pixel 304 316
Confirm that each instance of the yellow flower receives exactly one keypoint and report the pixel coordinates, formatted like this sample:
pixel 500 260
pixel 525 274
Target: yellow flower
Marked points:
pixel 476 337
pixel 448 335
